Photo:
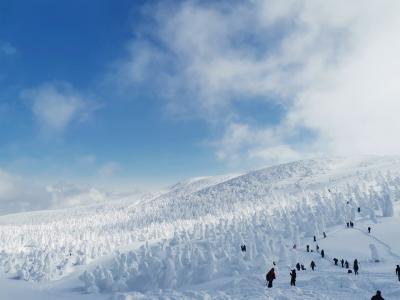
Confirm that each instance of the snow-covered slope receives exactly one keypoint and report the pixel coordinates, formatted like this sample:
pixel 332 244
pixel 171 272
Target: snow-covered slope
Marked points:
pixel 184 242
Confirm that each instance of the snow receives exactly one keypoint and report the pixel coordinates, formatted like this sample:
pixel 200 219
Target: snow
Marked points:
pixel 184 242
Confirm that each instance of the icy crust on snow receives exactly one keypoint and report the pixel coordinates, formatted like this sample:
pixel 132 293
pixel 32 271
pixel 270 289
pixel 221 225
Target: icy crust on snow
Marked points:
pixel 196 229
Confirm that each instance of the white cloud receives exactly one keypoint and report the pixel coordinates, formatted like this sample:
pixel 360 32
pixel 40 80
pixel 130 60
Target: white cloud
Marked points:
pixel 242 144
pixel 108 169
pixel 18 194
pixel 56 105
pixel 333 65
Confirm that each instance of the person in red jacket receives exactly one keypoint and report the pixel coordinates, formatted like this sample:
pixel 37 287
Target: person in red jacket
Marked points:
pixel 270 277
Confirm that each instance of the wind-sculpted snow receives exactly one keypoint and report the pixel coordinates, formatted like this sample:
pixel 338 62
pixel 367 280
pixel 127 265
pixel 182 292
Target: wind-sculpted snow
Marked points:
pixel 191 234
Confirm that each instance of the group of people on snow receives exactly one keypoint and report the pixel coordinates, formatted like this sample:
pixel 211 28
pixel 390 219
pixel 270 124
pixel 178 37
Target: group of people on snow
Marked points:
pixel 350 224
pixel 271 275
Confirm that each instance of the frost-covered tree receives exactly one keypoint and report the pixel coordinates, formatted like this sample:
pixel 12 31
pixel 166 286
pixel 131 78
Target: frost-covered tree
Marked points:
pixel 374 253
pixel 386 206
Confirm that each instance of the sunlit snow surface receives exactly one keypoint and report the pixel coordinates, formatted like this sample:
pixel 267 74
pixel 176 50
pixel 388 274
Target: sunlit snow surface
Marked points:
pixel 184 242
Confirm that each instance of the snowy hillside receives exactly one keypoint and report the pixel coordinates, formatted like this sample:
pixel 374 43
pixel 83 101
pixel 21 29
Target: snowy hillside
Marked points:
pixel 184 242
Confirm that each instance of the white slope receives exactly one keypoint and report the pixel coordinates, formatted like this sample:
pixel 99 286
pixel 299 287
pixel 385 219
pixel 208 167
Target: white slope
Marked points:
pixel 184 243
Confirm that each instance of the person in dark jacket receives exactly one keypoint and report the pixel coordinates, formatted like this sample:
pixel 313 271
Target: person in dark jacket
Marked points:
pixel 243 248
pixel 335 260
pixel 322 253
pixel 293 278
pixel 342 262
pixel 302 267
pixel 298 267
pixel 346 264
pixel 270 277
pixel 355 267
pixel 324 235
pixel 377 296
pixel 369 229
pixel 308 248
pixel 348 225
pixel 351 224
pixel 359 209
pixel 317 248
pixel 398 271
pixel 312 265
pixel 315 238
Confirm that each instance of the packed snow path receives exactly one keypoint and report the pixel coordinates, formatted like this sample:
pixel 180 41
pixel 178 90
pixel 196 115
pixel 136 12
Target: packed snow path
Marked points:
pixel 372 236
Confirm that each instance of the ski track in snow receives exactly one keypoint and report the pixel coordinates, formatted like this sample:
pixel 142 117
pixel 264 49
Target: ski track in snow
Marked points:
pixel 389 249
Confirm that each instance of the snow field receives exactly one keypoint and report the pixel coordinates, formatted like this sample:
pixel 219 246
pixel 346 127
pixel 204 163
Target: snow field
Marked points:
pixel 190 237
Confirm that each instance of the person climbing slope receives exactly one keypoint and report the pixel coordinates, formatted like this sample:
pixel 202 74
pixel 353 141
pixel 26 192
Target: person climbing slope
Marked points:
pixel 270 277
pixel 312 265
pixel 298 267
pixel 293 278
pixel 322 253
pixel 355 267
pixel 369 229
pixel 342 262
pixel 335 261
pixel 398 271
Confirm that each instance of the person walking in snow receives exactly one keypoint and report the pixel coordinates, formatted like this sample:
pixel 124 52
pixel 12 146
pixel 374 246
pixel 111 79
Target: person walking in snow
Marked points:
pixel 317 248
pixel 298 267
pixel 312 265
pixel 347 264
pixel 355 267
pixel 336 261
pixel 315 238
pixel 369 229
pixel 293 278
pixel 243 248
pixel 351 224
pixel 270 277
pixel 359 209
pixel 308 248
pixel 398 271
pixel 322 253
pixel 342 262
pixel 377 296
pixel 324 235
pixel 302 267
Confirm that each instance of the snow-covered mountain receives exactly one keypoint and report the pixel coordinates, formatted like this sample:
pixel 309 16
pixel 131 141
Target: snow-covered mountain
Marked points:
pixel 184 242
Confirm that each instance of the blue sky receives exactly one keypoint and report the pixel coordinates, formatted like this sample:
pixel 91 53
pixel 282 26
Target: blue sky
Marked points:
pixel 77 42
pixel 144 93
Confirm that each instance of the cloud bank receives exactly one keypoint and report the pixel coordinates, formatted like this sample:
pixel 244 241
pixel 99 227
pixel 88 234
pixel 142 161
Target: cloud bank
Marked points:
pixel 57 105
pixel 18 194
pixel 332 66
